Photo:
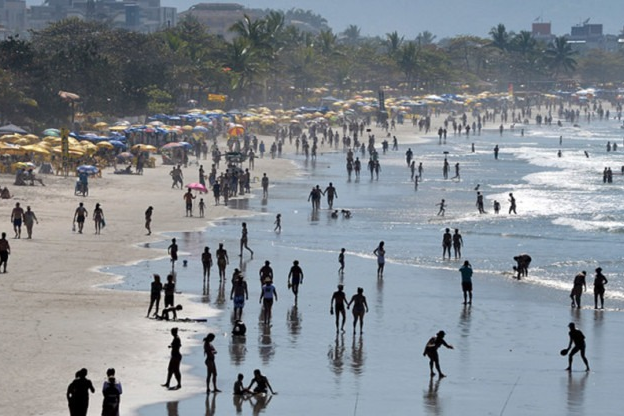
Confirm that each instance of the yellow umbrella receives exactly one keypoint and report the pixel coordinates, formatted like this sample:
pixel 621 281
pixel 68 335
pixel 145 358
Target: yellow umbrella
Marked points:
pixel 187 128
pixel 105 145
pixel 118 128
pixel 22 141
pixel 10 149
pixel 52 139
pixel 101 125
pixel 144 148
pixel 33 148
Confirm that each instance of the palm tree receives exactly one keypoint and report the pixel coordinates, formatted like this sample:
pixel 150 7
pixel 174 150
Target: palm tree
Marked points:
pixel 559 57
pixel 500 37
pixel 393 43
pixel 425 38
pixel 351 34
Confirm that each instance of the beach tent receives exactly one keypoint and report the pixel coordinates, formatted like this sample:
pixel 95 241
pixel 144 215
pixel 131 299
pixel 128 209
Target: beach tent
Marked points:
pixel 12 129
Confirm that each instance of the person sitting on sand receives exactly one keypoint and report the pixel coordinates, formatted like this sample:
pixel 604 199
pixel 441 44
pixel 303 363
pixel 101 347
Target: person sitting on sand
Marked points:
pixel 240 329
pixel 164 316
pixel 262 384
pixel 431 350
pixel 239 388
pixel 5 194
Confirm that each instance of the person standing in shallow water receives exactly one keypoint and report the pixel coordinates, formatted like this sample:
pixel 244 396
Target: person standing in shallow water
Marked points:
pixel 174 362
pixel 599 288
pixel 466 281
pixel 577 289
pixel 512 204
pixel 431 351
pixel 211 367
pixel 243 241
pixel 447 242
pixel 360 307
pixel 458 242
pixel 578 339
pixel 380 252
pixel 337 307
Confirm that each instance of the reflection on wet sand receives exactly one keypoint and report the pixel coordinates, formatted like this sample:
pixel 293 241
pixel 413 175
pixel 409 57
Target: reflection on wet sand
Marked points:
pixel 211 405
pixel 576 392
pixel 293 320
pixel 238 349
pixel 430 397
pixel 357 355
pixel 336 354
pixel 266 349
pixel 220 302
pixel 172 409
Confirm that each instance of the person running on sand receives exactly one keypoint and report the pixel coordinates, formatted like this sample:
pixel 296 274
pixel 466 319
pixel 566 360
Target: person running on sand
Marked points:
pixel 431 351
pixel 360 307
pixel 599 288
pixel 29 220
pixel 79 216
pixel 211 366
pixel 578 339
pixel 447 241
pixel 222 261
pixel 174 362
pixel 243 241
pixel 466 281
pixel 337 306
pixel 380 252
pixel 577 289
pixel 5 250
pixel 156 289
pixel 341 261
pixel 148 219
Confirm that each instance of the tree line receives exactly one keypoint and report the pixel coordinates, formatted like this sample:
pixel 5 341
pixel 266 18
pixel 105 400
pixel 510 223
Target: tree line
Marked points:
pixel 122 73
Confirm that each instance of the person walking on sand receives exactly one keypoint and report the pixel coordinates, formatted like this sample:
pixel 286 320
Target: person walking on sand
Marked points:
pixel 577 289
pixel 578 339
pixel 337 307
pixel 172 250
pixel 295 278
pixel 599 288
pixel 458 242
pixel 380 252
pixel 447 242
pixel 267 295
pixel 331 193
pixel 466 282
pixel 5 250
pixel 206 259
pixel 78 394
pixel 202 207
pixel 17 216
pixel 239 293
pixel 148 219
pixel 111 390
pixel 29 220
pixel 211 366
pixel 188 198
pixel 243 241
pixel 266 272
pixel 174 362
pixel 360 307
pixel 79 216
pixel 341 261
pixel 431 351
pixel 98 218
pixel 155 291
pixel 222 261
pixel 512 204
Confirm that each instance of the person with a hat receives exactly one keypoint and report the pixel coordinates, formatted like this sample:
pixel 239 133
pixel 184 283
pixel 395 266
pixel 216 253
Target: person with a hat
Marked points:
pixel 239 293
pixel 599 288
pixel 266 298
pixel 431 350
pixel 577 289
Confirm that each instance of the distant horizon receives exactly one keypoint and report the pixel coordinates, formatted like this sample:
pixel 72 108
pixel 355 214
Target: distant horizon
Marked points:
pixel 444 18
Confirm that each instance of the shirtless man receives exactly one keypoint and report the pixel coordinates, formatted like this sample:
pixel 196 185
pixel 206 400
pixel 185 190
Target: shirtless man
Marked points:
pixel 512 204
pixel 337 306
pixel 578 339
pixel 188 198
pixel 172 250
pixel 331 193
pixel 266 272
pixel 447 241
pixel 295 278
pixel 222 261
pixel 431 351
pixel 79 216
pixel 17 216
pixel 5 250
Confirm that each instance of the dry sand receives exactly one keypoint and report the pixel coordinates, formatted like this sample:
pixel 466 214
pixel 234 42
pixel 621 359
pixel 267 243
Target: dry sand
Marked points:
pixel 55 319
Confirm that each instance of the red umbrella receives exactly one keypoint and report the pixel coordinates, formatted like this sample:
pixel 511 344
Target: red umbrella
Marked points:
pixel 197 187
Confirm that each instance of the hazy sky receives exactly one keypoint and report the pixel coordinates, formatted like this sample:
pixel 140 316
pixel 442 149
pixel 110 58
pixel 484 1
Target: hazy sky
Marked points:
pixel 446 17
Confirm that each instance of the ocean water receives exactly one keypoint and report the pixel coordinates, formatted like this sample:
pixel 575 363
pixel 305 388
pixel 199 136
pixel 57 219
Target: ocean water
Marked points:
pixel 505 360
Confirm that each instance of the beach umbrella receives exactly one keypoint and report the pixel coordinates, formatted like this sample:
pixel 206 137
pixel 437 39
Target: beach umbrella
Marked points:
pixel 186 145
pixel 117 144
pixel 10 149
pixel 104 145
pixel 33 148
pixel 144 148
pixel 118 128
pixel 88 169
pixel 172 145
pixel 187 128
pixel 125 156
pixel 200 129
pixel 236 130
pixel 52 132
pixel 101 125
pixel 197 187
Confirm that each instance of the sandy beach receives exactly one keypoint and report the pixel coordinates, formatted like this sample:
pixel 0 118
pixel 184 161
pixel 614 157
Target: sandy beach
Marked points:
pixel 55 319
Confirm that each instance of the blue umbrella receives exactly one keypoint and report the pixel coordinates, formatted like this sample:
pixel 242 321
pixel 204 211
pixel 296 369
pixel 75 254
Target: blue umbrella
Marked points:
pixel 186 145
pixel 52 132
pixel 118 144
pixel 201 129
pixel 88 169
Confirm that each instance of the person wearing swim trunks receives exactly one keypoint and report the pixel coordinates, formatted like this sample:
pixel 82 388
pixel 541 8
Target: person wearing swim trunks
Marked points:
pixel 578 339
pixel 5 250
pixel 466 281
pixel 431 351
pixel 79 216
pixel 222 261
pixel 17 216
pixel 295 278
pixel 337 306
pixel 169 289
pixel 360 307
pixel 267 296
pixel 266 272
pixel 239 293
